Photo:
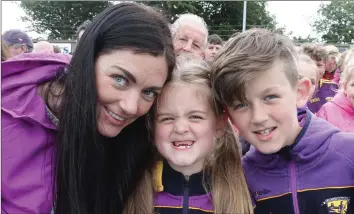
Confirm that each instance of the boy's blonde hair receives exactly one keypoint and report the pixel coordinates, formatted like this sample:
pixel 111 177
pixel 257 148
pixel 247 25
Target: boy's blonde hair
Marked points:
pixel 245 56
pixel 304 58
pixel 315 51
pixel 227 176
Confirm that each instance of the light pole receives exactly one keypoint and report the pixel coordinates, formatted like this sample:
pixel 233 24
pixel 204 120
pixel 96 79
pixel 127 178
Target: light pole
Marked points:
pixel 244 15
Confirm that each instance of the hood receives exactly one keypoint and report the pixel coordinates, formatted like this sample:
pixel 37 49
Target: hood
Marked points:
pixel 20 77
pixel 342 102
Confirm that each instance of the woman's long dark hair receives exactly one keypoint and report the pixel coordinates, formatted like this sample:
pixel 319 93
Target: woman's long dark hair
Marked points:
pixel 96 174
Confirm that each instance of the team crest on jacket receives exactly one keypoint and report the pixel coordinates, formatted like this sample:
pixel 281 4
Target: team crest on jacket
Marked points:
pixel 337 205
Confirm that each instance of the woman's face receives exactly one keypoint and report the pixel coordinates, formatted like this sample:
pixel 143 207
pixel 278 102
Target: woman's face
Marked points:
pixel 127 85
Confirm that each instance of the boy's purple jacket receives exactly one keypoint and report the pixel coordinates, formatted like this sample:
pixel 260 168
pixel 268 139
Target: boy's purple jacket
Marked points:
pixel 326 91
pixel 306 177
pixel 27 133
pixel 339 112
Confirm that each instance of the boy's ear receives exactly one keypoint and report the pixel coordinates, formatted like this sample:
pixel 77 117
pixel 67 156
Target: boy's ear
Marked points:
pixel 221 124
pixel 303 92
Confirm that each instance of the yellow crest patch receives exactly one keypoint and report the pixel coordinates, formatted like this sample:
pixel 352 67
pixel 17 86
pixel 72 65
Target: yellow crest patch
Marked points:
pixel 337 205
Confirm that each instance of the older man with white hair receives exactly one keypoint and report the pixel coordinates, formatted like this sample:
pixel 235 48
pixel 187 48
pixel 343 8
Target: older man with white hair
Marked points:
pixel 190 34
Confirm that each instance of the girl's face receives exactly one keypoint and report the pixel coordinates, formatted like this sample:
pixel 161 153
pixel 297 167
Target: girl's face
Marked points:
pixel 185 126
pixel 127 85
pixel 349 89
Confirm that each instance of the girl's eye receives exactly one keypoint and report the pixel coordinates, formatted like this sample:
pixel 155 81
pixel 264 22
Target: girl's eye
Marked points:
pixel 149 94
pixel 196 117
pixel 271 97
pixel 121 81
pixel 166 119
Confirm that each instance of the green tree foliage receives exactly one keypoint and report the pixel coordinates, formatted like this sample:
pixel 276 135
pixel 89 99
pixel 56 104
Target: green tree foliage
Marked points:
pixel 222 17
pixel 335 21
pixel 60 19
pixel 302 40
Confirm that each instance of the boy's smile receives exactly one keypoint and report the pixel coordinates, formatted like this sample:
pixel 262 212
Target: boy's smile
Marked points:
pixel 268 118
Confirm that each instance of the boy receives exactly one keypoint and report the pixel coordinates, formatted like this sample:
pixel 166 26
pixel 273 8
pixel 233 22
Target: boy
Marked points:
pixel 297 163
pixel 326 89
pixel 214 45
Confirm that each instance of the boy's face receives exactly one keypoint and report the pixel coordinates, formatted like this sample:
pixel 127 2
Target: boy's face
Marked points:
pixel 268 119
pixel 211 51
pixel 321 68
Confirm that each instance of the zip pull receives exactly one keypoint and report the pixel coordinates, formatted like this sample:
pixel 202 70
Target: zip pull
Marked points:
pixel 186 178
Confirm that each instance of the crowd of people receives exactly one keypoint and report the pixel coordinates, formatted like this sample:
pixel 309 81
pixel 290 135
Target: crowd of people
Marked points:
pixel 151 117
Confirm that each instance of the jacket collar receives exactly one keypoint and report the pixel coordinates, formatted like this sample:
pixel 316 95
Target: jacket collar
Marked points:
pixel 342 102
pixel 173 182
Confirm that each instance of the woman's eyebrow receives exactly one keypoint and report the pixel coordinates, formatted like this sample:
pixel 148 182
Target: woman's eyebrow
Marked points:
pixel 126 73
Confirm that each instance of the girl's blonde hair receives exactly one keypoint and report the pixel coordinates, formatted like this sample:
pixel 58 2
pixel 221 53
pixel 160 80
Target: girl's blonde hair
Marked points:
pixel 348 66
pixel 228 184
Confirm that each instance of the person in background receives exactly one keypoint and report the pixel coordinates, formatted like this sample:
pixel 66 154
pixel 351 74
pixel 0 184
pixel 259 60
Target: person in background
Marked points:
pixel 340 110
pixel 81 29
pixel 43 46
pixel 331 62
pixel 214 45
pixel 308 69
pixel 190 34
pixel 4 51
pixel 57 49
pixel 340 67
pixel 74 135
pixel 18 42
pixel 325 89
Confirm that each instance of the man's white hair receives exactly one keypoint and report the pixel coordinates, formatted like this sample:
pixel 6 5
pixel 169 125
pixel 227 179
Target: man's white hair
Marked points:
pixel 190 19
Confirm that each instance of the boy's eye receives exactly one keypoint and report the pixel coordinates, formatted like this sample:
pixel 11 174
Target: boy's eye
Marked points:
pixel 271 97
pixel 121 81
pixel 240 106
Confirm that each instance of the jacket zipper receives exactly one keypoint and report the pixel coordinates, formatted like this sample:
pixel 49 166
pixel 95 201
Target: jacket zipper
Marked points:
pixel 186 195
pixel 293 186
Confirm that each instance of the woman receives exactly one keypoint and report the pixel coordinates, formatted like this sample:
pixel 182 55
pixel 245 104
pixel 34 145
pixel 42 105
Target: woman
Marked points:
pixel 96 107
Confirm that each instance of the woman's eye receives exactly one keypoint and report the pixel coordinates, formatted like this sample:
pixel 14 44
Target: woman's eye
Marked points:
pixel 150 94
pixel 271 97
pixel 121 81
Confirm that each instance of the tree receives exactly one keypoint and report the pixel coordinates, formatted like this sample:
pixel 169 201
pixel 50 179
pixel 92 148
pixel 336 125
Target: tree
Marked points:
pixel 60 19
pixel 222 17
pixel 301 40
pixel 335 21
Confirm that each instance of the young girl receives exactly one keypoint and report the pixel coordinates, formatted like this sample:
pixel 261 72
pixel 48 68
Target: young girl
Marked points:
pixel 201 171
pixel 340 110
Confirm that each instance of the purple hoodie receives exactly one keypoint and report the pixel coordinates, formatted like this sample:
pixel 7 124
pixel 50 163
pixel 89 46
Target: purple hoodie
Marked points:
pixel 27 133
pixel 314 175
pixel 326 91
